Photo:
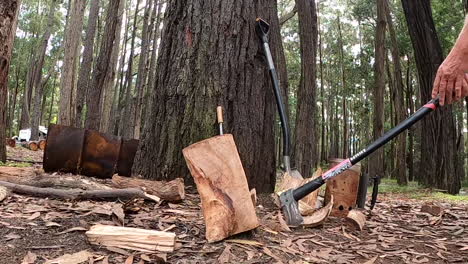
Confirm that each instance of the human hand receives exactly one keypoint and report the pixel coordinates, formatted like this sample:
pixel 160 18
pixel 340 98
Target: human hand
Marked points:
pixel 451 81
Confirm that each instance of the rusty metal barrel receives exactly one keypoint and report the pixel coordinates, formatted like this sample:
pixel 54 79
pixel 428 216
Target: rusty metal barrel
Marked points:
pixel 88 152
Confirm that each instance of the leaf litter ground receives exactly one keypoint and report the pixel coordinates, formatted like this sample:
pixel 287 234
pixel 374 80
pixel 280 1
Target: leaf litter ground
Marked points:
pixel 34 230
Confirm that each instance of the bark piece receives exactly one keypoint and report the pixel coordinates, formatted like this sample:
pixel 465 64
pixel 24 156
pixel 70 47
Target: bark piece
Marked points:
pixel 4 192
pixel 307 204
pixel 169 191
pixel 432 209
pixel 78 194
pixel 220 178
pixel 131 238
pixel 356 219
pixel 319 216
pixel 253 196
pixel 10 142
pixel 344 189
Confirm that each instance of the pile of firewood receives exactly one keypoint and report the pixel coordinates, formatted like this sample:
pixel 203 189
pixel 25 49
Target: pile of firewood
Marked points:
pixel 34 145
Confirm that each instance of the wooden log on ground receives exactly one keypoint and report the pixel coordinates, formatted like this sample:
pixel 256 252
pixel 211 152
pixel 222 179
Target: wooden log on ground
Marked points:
pixel 4 192
pixel 143 240
pixel 343 188
pixel 221 182
pixel 11 142
pixel 78 194
pixel 42 144
pixel 356 220
pixel 170 191
pixel 31 145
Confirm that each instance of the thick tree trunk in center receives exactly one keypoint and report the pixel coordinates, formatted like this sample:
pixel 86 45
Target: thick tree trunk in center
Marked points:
pixel 439 158
pixel 210 57
pixel 305 150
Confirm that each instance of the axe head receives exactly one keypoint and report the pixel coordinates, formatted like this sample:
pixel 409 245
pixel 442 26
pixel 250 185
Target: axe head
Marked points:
pixel 290 208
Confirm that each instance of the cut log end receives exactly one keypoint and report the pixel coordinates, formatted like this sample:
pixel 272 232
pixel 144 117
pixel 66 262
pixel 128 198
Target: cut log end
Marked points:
pixel 42 144
pixel 356 220
pixel 10 142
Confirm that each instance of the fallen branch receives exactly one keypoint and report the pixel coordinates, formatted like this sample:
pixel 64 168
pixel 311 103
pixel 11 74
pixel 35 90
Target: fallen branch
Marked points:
pixel 77 194
pixel 169 191
pixel 131 238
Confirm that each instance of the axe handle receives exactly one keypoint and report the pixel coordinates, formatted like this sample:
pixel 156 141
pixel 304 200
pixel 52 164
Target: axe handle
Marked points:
pixel 311 186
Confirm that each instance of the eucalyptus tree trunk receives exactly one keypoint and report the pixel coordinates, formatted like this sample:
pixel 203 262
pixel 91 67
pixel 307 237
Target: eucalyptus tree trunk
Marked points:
pixel 305 147
pixel 37 82
pixel 87 62
pixel 212 57
pixel 142 72
pixel 111 77
pixel 8 21
pixel 344 94
pixel 102 68
pixel 126 120
pixel 25 121
pixel 376 163
pixel 439 157
pixel 70 58
pixel 399 102
pixel 411 131
pixel 323 131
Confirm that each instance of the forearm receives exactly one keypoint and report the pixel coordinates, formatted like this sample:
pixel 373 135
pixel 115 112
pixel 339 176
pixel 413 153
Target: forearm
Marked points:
pixel 461 45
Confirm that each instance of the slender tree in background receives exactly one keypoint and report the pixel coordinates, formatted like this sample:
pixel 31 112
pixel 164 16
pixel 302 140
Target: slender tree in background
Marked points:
pixel 399 100
pixel 93 114
pixel 305 150
pixel 38 86
pixel 344 93
pixel 8 21
pixel 439 158
pixel 71 55
pixel 206 50
pixel 376 163
pixel 87 62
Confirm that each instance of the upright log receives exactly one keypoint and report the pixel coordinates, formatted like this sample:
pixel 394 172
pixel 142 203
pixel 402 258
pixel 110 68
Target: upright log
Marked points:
pixel 220 178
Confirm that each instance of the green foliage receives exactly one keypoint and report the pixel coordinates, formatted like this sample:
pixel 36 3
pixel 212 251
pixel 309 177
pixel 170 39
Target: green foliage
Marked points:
pixel 16 164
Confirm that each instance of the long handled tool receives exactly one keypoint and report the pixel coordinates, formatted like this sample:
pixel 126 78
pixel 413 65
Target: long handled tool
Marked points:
pixel 262 29
pixel 289 199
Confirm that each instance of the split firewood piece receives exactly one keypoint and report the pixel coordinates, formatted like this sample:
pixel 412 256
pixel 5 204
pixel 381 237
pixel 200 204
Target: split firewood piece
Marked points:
pixel 78 194
pixel 432 209
pixel 305 208
pixel 42 144
pixel 217 170
pixel 356 220
pixel 10 142
pixel 170 191
pixel 311 199
pixel 290 181
pixel 142 240
pixel 319 216
pixel 253 196
pixel 4 192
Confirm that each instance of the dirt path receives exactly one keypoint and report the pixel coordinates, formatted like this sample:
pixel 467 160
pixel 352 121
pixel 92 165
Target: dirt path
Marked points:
pixel 396 232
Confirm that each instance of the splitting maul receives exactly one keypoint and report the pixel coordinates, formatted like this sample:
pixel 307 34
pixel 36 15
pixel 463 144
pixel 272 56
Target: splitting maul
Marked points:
pixel 289 199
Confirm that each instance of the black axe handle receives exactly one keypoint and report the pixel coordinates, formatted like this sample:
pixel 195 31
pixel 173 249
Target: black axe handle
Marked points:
pixel 311 186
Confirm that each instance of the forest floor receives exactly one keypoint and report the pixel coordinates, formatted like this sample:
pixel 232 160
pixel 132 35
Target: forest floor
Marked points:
pixel 396 231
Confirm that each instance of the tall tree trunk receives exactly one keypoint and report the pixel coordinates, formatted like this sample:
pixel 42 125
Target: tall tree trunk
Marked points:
pixel 439 158
pixel 376 163
pixel 25 121
pixel 93 114
pixel 87 62
pixel 344 94
pixel 142 72
pixel 126 122
pixel 37 82
pixel 8 21
pixel 411 131
pixel 49 118
pixel 69 68
pixel 111 77
pixel 323 147
pixel 218 42
pixel 399 102
pixel 305 149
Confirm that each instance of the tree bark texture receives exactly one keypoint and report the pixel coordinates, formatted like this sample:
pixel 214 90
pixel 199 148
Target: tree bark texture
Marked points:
pixel 87 62
pixel 399 102
pixel 344 94
pixel 305 150
pixel 8 21
pixel 208 58
pixel 68 75
pixel 93 114
pixel 439 158
pixel 376 163
pixel 111 76
pixel 37 81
